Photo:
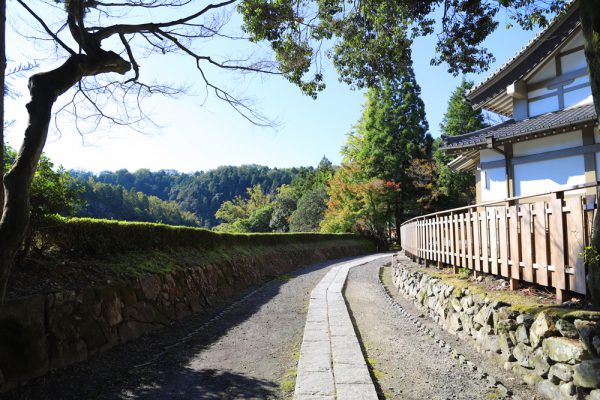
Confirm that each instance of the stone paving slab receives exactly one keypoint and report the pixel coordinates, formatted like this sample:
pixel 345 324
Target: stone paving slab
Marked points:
pixel 331 364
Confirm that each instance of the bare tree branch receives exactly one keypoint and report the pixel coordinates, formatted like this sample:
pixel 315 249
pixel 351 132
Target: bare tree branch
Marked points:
pixel 46 28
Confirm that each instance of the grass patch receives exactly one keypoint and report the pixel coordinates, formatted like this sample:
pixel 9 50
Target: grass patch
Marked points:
pixel 288 381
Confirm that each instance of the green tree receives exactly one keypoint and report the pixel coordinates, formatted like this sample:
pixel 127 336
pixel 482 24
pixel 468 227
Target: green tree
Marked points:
pixel 310 210
pixel 456 189
pixel 391 132
pixel 251 214
pixel 284 205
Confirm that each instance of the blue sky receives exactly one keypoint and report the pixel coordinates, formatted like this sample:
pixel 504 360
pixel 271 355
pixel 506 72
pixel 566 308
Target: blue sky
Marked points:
pixel 195 134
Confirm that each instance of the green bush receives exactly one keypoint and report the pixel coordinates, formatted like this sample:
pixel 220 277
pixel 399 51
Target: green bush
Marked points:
pixel 94 237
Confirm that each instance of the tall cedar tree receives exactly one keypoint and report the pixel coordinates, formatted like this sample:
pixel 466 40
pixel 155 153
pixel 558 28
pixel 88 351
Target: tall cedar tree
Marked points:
pixel 456 189
pixel 392 132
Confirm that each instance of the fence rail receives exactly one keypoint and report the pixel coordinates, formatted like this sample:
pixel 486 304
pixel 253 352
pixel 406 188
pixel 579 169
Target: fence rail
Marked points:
pixel 523 239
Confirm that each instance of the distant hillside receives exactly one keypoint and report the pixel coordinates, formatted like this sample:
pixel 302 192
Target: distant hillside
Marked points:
pixel 200 193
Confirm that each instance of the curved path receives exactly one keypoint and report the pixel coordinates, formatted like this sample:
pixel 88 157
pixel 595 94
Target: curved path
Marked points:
pixel 246 350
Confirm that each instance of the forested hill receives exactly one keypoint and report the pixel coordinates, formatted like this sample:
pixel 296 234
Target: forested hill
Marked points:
pixel 200 193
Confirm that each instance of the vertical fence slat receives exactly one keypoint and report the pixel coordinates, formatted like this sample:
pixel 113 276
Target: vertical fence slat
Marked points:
pixel 452 227
pixel 575 244
pixel 463 241
pixel 526 247
pixel 503 242
pixel 484 241
pixel 513 236
pixel 476 240
pixel 557 250
pixel 494 241
pixel 541 274
pixel 469 225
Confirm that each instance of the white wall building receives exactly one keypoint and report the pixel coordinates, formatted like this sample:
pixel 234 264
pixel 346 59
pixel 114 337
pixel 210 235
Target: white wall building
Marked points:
pixel 551 141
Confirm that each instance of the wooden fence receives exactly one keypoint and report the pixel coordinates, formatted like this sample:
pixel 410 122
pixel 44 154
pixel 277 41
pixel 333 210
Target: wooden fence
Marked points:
pixel 521 239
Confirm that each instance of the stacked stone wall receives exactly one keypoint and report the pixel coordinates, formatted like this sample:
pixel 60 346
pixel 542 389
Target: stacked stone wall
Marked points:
pixel 51 331
pixel 560 355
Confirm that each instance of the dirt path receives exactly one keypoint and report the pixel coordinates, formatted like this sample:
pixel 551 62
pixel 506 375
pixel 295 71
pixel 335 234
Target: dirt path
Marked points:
pixel 408 363
pixel 243 351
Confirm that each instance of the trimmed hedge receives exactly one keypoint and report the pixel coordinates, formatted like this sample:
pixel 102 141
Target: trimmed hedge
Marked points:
pixel 96 237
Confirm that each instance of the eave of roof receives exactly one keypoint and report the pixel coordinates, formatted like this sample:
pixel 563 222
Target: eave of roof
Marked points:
pixel 531 55
pixel 546 124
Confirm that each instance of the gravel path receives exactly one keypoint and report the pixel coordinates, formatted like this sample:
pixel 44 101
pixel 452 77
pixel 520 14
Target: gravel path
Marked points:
pixel 242 351
pixel 407 361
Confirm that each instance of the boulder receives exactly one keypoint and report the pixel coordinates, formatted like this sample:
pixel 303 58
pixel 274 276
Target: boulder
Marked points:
pixel 565 350
pixel 506 345
pixel 540 362
pixel 587 374
pixel 522 334
pixel 456 305
pixel 542 327
pixel 548 389
pixel 594 395
pixel 150 286
pixel 567 328
pixel 523 355
pixel 567 391
pixel 587 331
pixel 525 319
pixel 23 347
pixel 563 372
pixel 484 317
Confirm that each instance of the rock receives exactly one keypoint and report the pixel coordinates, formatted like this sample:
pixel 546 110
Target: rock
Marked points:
pixel 587 331
pixel 594 395
pixel 491 343
pixel 542 327
pixel 522 334
pixel 596 344
pixel 130 330
pixel 567 328
pixel 523 355
pixel 566 350
pixel 505 325
pixel 151 285
pixel 484 317
pixel 587 374
pixel 564 372
pixel 456 305
pixel 506 345
pixel 454 323
pixel 525 319
pixel 540 363
pixel 567 390
pixel 531 378
pixel 548 389
pixel 23 347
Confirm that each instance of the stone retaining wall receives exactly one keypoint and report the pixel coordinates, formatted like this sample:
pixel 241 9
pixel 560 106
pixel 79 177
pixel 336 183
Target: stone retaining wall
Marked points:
pixel 52 331
pixel 560 355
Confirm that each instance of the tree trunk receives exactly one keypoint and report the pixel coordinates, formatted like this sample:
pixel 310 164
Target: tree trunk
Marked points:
pixel 44 89
pixel 590 24
pixel 2 87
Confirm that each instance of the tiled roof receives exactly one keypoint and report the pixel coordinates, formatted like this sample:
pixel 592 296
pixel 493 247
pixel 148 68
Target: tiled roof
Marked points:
pixel 513 129
pixel 534 52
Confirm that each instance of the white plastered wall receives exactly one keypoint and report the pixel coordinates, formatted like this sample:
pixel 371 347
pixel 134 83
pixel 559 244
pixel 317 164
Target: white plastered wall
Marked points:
pixel 548 175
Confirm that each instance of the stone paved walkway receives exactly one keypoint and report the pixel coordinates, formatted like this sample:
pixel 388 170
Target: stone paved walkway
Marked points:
pixel 331 364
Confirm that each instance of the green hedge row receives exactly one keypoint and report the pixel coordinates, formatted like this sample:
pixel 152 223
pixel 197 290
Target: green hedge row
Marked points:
pixel 95 237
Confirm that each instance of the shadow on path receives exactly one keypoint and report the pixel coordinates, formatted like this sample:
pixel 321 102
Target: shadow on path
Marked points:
pixel 133 370
pixel 208 384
